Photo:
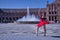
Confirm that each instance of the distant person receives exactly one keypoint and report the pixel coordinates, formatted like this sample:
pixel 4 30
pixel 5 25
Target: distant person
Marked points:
pixel 43 22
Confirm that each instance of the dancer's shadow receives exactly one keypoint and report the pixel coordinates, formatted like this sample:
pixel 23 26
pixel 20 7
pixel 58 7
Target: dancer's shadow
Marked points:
pixel 56 36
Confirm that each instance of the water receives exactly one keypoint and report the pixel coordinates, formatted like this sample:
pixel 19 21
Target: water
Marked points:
pixel 29 17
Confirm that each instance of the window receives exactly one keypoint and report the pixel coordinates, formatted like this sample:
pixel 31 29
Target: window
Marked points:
pixel 13 18
pixel 55 12
pixel 49 18
pixel 52 18
pixel 6 18
pixel 55 18
pixel 52 12
pixel 3 18
pixel 10 18
pixel 49 12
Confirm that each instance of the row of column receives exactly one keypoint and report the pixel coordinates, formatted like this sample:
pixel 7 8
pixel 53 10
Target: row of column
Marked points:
pixel 7 19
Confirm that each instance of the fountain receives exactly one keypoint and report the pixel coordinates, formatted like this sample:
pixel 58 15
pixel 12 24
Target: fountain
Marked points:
pixel 28 18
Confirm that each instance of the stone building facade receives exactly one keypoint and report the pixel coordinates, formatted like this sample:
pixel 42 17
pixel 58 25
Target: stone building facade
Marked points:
pixel 51 12
pixel 11 15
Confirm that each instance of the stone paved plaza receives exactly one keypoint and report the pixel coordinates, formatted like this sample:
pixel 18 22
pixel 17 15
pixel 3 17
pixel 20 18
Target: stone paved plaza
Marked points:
pixel 13 31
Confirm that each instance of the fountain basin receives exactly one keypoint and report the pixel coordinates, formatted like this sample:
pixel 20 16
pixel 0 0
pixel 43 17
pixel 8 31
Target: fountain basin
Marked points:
pixel 28 22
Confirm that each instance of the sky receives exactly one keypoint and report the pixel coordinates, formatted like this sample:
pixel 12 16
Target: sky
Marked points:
pixel 24 3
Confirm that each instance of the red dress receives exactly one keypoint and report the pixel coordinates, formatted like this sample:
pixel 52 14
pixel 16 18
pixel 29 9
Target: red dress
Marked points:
pixel 42 22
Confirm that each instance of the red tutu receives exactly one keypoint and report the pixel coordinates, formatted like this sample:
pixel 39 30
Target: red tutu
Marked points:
pixel 42 22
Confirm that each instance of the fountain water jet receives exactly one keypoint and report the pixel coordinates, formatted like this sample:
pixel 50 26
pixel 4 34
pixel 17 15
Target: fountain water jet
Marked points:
pixel 28 18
